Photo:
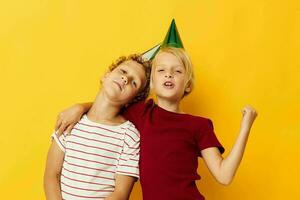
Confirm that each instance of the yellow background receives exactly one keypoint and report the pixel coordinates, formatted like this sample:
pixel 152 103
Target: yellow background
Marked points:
pixel 53 53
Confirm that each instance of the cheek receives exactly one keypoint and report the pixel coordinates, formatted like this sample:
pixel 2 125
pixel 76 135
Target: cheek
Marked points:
pixel 132 92
pixel 154 80
pixel 183 78
pixel 157 78
pixel 181 82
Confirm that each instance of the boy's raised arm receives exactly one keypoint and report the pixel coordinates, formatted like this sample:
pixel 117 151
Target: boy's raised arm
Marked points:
pixel 52 172
pixel 123 187
pixel 67 119
pixel 224 169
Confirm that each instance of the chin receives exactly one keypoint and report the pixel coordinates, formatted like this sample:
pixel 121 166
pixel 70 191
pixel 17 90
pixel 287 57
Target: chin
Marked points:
pixel 167 97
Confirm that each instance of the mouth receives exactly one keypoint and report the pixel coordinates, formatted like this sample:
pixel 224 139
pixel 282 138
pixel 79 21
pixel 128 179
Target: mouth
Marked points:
pixel 169 85
pixel 119 85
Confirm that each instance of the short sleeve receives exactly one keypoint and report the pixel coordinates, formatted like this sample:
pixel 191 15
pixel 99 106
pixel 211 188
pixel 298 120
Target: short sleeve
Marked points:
pixel 61 141
pixel 206 137
pixel 129 159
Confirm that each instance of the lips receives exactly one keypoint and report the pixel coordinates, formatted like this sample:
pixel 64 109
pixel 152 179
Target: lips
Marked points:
pixel 118 84
pixel 169 85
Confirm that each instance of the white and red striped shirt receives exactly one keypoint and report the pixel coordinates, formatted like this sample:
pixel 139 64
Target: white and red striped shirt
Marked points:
pixel 94 153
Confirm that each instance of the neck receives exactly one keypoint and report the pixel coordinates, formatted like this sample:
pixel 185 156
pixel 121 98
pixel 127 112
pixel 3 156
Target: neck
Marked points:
pixel 104 110
pixel 169 105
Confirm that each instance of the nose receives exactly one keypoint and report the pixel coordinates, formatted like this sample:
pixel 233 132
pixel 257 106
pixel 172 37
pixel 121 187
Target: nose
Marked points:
pixel 124 79
pixel 168 76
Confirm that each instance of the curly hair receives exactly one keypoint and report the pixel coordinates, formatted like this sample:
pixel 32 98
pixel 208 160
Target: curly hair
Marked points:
pixel 144 91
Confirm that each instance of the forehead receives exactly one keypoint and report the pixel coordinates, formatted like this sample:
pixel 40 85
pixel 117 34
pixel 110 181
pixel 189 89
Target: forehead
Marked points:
pixel 134 68
pixel 165 58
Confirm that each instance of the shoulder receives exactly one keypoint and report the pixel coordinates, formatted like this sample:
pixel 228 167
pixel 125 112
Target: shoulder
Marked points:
pixel 196 118
pixel 149 103
pixel 137 106
pixel 199 122
pixel 132 131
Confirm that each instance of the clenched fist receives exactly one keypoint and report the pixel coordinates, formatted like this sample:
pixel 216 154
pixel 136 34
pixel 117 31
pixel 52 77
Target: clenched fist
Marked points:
pixel 249 115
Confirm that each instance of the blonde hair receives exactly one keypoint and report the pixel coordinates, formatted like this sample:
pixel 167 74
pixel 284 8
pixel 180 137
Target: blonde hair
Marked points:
pixel 184 58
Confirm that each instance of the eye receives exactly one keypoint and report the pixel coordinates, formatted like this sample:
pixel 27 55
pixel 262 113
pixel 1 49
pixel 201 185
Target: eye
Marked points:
pixel 160 70
pixel 123 71
pixel 134 83
pixel 179 71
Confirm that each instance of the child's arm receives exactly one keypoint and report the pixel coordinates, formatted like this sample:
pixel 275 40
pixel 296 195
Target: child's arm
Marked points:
pixel 67 119
pixel 52 172
pixel 123 187
pixel 224 169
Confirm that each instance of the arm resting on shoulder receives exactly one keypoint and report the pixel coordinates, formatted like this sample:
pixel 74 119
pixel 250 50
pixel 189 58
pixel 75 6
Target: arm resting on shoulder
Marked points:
pixel 67 118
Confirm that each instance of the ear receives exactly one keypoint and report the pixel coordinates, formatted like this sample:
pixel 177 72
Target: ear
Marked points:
pixel 105 76
pixel 188 87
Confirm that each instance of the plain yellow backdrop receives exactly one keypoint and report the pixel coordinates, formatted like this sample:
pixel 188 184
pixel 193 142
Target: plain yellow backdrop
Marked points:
pixel 53 53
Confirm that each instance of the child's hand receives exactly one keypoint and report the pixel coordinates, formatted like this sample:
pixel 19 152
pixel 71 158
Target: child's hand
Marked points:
pixel 67 119
pixel 249 115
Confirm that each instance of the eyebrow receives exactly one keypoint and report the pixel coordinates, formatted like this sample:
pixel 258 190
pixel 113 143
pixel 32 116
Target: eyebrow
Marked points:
pixel 172 66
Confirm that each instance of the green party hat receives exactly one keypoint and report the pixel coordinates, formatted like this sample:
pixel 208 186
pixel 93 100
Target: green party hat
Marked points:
pixel 172 39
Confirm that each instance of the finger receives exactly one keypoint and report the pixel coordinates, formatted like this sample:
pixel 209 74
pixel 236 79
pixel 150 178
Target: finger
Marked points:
pixel 58 123
pixel 61 129
pixel 69 129
pixel 243 111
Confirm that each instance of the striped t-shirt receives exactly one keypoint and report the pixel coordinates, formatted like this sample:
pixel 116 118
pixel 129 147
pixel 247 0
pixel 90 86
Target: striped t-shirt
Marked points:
pixel 94 153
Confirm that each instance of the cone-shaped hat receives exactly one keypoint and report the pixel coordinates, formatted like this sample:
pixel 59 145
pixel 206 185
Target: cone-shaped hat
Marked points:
pixel 172 39
pixel 149 55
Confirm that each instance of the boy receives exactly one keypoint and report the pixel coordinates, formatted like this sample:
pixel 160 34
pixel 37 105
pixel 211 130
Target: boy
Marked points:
pixel 172 141
pixel 100 158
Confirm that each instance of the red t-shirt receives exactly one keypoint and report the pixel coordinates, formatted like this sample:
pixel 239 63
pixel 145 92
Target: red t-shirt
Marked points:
pixel 170 146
